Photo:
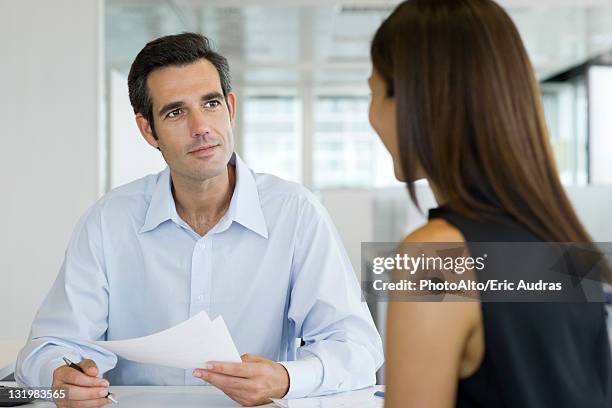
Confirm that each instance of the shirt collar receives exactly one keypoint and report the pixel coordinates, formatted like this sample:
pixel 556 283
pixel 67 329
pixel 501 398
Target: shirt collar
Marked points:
pixel 162 207
pixel 245 206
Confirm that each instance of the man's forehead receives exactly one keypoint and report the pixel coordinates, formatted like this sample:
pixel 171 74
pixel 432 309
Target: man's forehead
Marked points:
pixel 173 80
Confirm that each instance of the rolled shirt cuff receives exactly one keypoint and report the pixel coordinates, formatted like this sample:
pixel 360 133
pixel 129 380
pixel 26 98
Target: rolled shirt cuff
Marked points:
pixel 305 376
pixel 47 369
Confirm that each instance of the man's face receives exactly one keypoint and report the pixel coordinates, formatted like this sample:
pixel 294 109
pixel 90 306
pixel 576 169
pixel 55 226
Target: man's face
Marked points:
pixel 193 121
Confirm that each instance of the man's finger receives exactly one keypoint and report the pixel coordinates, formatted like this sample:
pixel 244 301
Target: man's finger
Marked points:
pixel 225 382
pixel 73 377
pixel 76 393
pixel 251 358
pixel 243 370
pixel 89 366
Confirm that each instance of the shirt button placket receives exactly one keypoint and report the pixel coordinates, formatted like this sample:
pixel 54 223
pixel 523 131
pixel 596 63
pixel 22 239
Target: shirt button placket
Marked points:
pixel 198 281
pixel 207 275
pixel 198 265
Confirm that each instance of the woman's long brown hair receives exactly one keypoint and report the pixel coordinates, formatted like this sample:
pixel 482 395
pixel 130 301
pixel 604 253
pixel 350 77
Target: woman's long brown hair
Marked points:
pixel 469 113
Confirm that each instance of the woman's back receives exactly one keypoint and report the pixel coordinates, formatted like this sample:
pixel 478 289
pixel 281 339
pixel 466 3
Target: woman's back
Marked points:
pixel 544 354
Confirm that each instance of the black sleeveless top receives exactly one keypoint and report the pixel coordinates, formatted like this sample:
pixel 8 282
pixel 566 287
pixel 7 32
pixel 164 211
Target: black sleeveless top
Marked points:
pixel 536 354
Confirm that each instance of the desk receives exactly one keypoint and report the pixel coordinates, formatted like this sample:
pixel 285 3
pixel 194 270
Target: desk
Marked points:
pixel 8 356
pixel 176 396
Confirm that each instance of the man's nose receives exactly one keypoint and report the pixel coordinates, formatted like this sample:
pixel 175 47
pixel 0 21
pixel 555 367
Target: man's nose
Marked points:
pixel 198 124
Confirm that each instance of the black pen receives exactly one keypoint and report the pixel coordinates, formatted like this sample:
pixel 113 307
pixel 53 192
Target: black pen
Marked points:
pixel 77 367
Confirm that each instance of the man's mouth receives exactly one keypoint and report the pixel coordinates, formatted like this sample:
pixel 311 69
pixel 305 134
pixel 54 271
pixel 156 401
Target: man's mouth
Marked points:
pixel 203 151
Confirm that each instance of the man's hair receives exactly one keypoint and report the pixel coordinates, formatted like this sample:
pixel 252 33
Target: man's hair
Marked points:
pixel 171 50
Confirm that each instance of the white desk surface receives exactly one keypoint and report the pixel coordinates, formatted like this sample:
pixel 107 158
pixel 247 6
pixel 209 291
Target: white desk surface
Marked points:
pixel 177 396
pixel 8 355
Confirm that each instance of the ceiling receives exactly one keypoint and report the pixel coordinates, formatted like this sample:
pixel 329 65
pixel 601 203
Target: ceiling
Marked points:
pixel 326 43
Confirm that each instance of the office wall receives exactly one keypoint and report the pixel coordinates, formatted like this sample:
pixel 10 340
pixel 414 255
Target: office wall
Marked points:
pixel 131 156
pixel 352 212
pixel 593 203
pixel 49 123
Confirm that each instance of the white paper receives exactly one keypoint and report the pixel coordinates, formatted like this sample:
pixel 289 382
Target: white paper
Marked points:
pixel 354 399
pixel 190 344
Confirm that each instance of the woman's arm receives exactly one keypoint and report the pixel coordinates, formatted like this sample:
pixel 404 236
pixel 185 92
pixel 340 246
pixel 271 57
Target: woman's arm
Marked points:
pixel 427 341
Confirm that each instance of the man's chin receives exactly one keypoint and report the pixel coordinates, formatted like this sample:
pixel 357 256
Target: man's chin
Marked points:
pixel 210 170
pixel 202 169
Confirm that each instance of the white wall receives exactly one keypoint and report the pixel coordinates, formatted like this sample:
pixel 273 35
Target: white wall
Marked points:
pixel 352 212
pixel 49 140
pixel 374 215
pixel 593 204
pixel 132 157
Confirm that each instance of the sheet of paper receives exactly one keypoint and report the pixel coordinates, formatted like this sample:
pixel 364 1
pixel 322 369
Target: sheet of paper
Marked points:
pixel 188 345
pixel 354 399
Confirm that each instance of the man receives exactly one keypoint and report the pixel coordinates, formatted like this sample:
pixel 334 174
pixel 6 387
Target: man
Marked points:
pixel 204 234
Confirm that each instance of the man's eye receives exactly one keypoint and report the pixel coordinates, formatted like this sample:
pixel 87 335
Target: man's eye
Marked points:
pixel 174 113
pixel 212 104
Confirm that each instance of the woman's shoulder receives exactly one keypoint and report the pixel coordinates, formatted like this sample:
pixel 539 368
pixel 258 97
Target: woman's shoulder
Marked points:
pixel 435 230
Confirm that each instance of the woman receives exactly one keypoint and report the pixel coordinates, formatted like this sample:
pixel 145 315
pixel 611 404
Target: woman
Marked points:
pixel 454 100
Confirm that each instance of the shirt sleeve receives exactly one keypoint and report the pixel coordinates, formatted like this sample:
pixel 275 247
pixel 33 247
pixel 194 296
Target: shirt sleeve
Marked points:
pixel 74 311
pixel 342 349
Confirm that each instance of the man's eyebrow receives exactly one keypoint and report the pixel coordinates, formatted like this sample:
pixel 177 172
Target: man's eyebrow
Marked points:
pixel 212 95
pixel 170 106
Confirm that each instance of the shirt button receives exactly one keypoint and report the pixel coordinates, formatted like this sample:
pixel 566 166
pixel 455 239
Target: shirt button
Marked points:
pixel 200 298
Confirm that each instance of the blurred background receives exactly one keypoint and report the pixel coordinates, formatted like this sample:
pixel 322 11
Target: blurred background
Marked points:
pixel 299 69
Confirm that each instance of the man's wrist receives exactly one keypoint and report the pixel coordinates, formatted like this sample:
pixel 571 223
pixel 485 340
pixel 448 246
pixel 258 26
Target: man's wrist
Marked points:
pixel 285 389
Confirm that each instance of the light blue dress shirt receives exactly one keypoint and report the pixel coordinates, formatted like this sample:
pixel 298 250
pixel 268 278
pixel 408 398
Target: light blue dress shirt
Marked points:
pixel 274 267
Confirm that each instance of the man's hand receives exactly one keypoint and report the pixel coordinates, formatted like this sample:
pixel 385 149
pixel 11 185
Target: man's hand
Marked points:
pixel 252 382
pixel 82 390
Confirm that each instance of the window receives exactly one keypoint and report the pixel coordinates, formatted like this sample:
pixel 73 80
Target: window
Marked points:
pixel 565 109
pixel 346 150
pixel 271 135
pixel 600 124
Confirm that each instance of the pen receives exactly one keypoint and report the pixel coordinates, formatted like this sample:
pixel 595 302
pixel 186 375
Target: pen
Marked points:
pixel 379 394
pixel 76 367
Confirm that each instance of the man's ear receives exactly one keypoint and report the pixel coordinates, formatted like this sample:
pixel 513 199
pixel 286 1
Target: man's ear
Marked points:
pixel 231 106
pixel 146 131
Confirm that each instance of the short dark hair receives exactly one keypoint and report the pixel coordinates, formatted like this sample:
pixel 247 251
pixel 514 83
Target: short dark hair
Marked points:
pixel 171 50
